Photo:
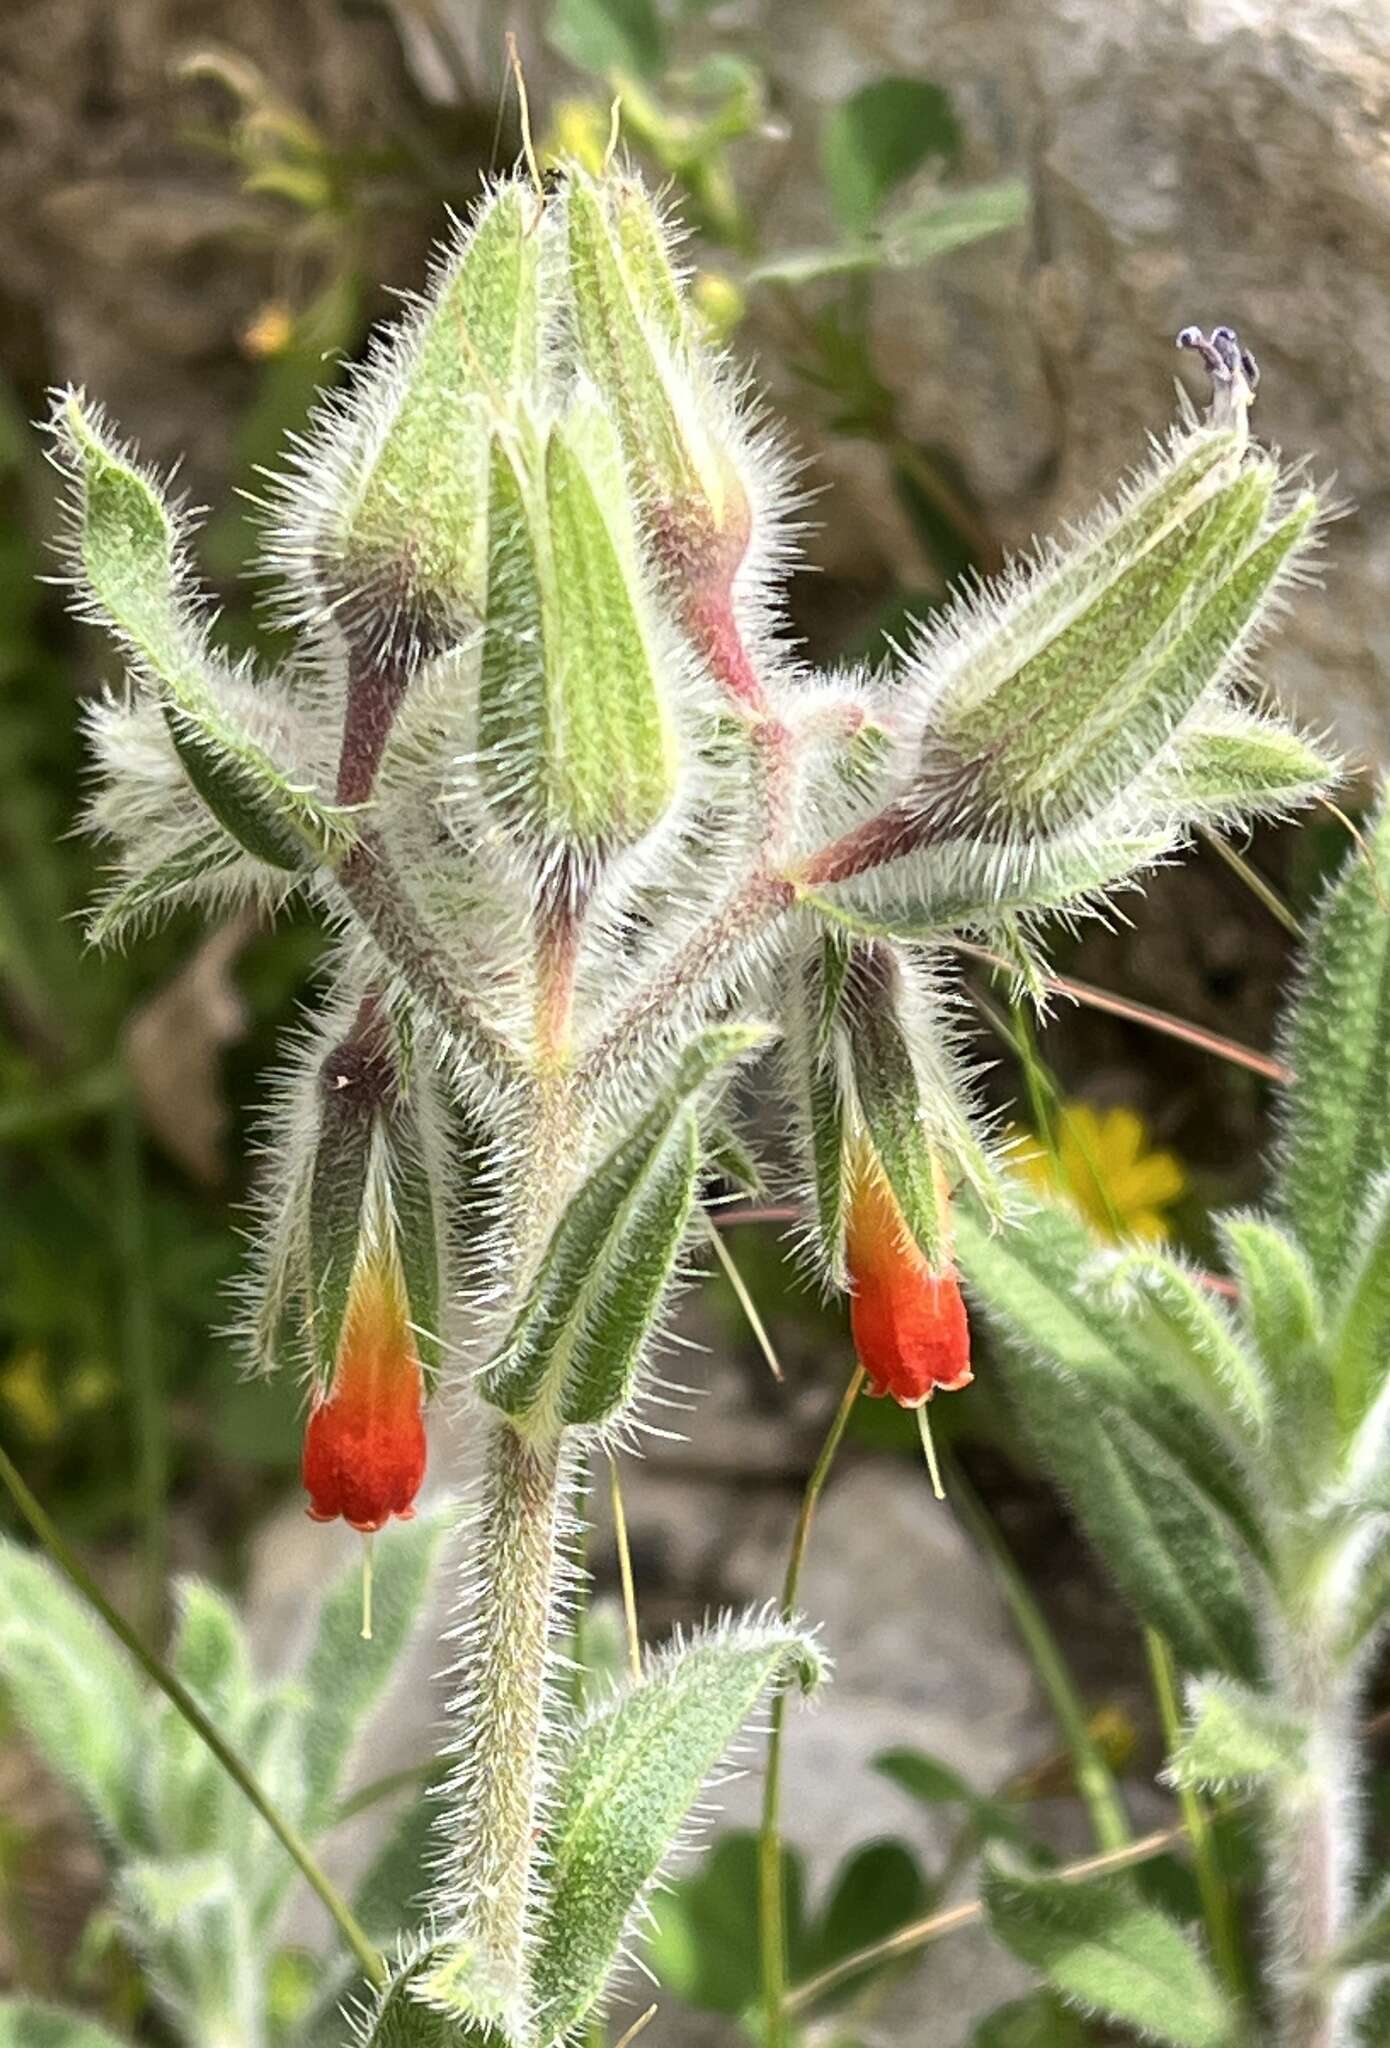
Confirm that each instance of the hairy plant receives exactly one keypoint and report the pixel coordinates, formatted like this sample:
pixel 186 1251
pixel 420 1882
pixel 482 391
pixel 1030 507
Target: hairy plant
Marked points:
pixel 1232 1464
pixel 590 834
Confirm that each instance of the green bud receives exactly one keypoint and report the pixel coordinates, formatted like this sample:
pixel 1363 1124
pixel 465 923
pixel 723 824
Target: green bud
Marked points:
pixel 638 346
pixel 1083 711
pixel 410 544
pixel 577 741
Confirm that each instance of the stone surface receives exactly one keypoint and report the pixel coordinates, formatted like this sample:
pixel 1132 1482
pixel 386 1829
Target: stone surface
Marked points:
pixel 1189 160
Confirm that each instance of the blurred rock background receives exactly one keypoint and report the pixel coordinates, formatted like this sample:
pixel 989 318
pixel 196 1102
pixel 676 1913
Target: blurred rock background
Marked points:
pixel 203 204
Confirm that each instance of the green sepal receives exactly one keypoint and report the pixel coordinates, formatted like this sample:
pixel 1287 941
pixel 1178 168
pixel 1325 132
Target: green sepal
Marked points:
pixel 611 766
pixel 890 1097
pixel 817 1084
pixel 1235 1737
pixel 626 1786
pixel 248 796
pixel 1090 627
pixel 1229 763
pixel 417 1226
pixel 572 1354
pixel 1336 1136
pixel 1099 1943
pixel 970 882
pixel 128 906
pixel 418 514
pixel 728 1154
pixel 400 2018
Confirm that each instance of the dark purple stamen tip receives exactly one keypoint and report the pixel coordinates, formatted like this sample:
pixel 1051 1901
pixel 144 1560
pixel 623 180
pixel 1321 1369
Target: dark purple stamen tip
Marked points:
pixel 1223 357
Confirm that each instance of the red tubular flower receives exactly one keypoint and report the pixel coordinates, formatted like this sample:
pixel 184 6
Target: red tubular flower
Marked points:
pixel 909 1324
pixel 364 1447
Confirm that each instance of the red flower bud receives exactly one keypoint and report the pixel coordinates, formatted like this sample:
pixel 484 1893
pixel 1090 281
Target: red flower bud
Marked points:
pixel 909 1324
pixel 364 1447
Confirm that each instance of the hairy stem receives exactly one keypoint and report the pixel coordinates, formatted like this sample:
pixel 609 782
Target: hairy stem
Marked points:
pixel 1311 1835
pixel 517 1564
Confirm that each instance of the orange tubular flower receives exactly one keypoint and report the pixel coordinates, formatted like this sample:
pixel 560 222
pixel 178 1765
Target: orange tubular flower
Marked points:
pixel 909 1324
pixel 364 1447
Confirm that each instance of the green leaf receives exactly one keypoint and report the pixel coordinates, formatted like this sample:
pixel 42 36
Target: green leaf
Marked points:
pixel 912 239
pixel 704 1944
pixel 391 1898
pixel 28 2023
pixel 928 1780
pixel 1207 1344
pixel 1101 1946
pixel 609 36
pixel 1235 1737
pixel 877 1889
pixel 1367 1945
pixel 623 1792
pixel 952 220
pixel 193 1806
pixel 1174 1558
pixel 573 1352
pixel 1028 1281
pixel 193 1926
pixel 345 1677
pixel 878 137
pixel 1336 1138
pixel 1360 1345
pixel 131 554
pixel 1283 1315
pixel 72 1689
pixel 1039 2021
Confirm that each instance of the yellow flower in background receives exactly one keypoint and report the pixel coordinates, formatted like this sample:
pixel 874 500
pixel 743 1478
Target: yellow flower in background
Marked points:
pixel 579 132
pixel 1105 1169
pixel 270 333
pixel 719 303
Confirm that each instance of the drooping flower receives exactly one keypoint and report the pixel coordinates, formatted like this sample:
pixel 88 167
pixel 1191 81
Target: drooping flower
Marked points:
pixel 364 1446
pixel 909 1323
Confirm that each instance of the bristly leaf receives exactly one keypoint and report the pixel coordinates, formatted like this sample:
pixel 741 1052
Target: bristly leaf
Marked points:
pixel 1280 1308
pixel 1359 1345
pixel 1031 1282
pixel 401 2020
pixel 131 555
pixel 625 1789
pixel 72 1689
pixel 192 1924
pixel 1235 1737
pixel 1174 1557
pixel 1336 1138
pixel 345 1677
pixel 1104 1948
pixel 1208 1346
pixel 572 1354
